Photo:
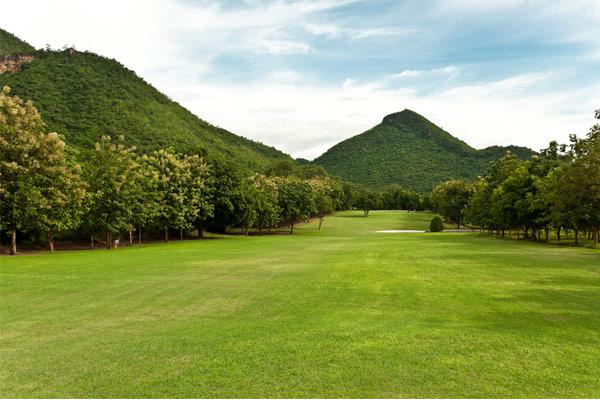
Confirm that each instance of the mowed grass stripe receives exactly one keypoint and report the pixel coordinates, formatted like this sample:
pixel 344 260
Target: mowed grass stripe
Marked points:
pixel 341 312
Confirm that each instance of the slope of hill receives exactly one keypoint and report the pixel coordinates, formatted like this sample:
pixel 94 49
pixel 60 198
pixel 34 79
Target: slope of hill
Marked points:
pixel 10 44
pixel 409 150
pixel 83 96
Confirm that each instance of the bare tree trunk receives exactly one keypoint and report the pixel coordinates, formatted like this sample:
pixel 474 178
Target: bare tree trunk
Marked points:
pixel 166 233
pixel 291 229
pixel 576 236
pixel 180 233
pixel 92 240
pixel 109 240
pixel 595 234
pixel 130 236
pixel 322 217
pixel 366 213
pixel 139 235
pixel 558 233
pixel 13 241
pixel 200 230
pixel 50 236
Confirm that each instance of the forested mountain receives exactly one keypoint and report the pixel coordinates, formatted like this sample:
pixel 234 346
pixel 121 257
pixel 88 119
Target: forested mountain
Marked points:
pixel 409 150
pixel 10 44
pixel 82 96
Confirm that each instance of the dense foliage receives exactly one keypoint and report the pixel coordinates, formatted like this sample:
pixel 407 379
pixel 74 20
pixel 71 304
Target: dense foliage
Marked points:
pixel 117 189
pixel 10 44
pixel 83 96
pixel 408 150
pixel 436 225
pixel 557 190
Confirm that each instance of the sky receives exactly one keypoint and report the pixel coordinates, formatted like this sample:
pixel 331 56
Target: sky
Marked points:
pixel 303 75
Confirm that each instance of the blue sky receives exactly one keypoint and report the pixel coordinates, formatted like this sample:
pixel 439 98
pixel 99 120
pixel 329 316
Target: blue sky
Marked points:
pixel 302 75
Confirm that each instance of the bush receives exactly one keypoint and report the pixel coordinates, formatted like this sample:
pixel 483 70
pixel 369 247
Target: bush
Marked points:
pixel 436 225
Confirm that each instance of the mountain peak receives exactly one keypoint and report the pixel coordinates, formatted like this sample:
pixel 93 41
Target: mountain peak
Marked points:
pixel 404 116
pixel 409 150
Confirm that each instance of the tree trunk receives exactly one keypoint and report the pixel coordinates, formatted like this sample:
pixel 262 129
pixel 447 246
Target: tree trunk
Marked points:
pixel 558 233
pixel 13 241
pixel 109 239
pixel 321 218
pixel 366 213
pixel 180 233
pixel 576 236
pixel 200 230
pixel 130 236
pixel 50 236
pixel 291 229
pixel 547 232
pixel 595 235
pixel 92 240
pixel 166 233
pixel 139 235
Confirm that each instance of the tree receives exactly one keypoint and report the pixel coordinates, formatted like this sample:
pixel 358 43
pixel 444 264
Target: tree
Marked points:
pixel 33 190
pixel 144 198
pixel 110 170
pixel 182 184
pixel 202 189
pixel 451 198
pixel 225 183
pixel 578 190
pixel 62 190
pixel 367 200
pixel 245 206
pixel 322 194
pixel 266 202
pixel 295 201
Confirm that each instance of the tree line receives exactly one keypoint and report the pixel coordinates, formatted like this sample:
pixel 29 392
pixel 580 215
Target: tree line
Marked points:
pixel 555 191
pixel 46 186
pixel 114 190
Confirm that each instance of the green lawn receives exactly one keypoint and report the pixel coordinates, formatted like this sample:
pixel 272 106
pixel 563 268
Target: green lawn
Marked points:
pixel 344 312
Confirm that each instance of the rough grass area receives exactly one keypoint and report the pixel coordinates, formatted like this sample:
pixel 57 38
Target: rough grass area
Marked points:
pixel 341 312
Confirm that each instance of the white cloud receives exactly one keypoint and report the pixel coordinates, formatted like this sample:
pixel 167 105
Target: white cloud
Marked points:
pixel 306 120
pixel 176 46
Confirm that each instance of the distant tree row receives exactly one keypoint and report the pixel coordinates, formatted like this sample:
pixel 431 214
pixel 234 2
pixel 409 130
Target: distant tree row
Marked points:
pixel 557 190
pixel 112 189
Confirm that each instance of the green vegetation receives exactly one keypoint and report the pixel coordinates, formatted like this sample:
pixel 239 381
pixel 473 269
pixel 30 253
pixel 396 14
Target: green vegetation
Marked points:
pixel 554 192
pixel 10 44
pixel 408 150
pixel 83 96
pixel 117 190
pixel 338 312
pixel 436 225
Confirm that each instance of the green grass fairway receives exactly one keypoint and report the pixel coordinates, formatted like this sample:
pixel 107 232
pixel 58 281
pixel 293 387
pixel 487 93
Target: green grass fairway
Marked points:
pixel 344 312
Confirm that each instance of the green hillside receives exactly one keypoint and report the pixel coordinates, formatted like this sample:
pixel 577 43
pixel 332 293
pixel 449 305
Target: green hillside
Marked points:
pixel 10 44
pixel 409 150
pixel 83 96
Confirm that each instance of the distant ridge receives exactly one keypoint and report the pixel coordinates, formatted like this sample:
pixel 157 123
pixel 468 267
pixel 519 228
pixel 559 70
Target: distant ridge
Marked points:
pixel 409 150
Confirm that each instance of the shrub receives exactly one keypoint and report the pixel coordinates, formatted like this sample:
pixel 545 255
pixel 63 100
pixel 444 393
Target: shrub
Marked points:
pixel 436 225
